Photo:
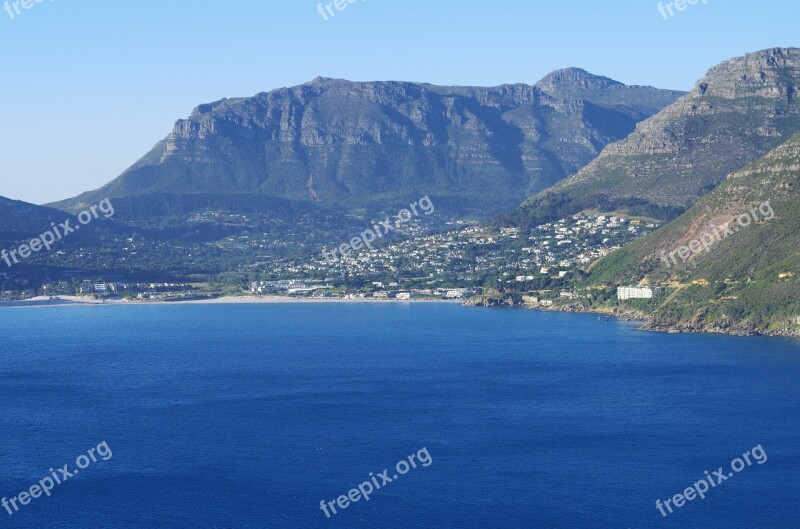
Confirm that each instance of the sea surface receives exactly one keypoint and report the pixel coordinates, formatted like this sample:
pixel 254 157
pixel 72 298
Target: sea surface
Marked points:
pixel 248 416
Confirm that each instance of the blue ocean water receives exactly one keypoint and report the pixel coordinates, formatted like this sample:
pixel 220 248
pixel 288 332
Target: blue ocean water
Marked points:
pixel 247 416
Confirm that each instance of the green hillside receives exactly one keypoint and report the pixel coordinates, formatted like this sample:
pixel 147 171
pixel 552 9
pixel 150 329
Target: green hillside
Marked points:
pixel 745 278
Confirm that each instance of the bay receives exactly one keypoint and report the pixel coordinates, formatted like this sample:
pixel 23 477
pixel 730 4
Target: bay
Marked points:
pixel 240 416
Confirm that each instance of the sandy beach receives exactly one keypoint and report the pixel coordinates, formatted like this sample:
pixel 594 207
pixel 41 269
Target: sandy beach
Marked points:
pixel 286 299
pixel 56 301
pixel 74 301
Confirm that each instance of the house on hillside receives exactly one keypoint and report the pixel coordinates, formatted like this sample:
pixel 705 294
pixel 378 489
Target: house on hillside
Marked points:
pixel 631 292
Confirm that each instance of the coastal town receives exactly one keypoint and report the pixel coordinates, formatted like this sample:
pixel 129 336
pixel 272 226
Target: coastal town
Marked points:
pixel 457 263
pixel 468 258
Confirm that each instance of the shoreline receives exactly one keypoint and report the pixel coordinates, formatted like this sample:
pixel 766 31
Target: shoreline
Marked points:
pixel 86 301
pixel 253 300
pixel 644 322
pixel 647 323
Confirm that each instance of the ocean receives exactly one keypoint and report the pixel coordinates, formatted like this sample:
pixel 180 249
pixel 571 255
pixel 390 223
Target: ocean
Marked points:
pixel 273 415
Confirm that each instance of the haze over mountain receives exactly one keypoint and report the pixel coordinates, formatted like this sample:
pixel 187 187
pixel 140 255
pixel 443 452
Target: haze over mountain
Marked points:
pixel 738 112
pixel 335 143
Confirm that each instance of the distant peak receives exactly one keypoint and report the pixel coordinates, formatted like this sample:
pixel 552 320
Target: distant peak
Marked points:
pixel 319 80
pixel 572 79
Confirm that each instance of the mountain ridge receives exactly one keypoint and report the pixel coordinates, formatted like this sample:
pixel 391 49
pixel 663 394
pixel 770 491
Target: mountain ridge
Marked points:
pixel 335 142
pixel 739 111
pixel 21 220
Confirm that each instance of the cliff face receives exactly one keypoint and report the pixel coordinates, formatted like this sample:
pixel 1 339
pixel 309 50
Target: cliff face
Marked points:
pixel 738 112
pixel 334 142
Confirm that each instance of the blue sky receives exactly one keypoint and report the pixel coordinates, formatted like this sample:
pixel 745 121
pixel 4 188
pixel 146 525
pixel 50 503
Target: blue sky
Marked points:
pixel 89 86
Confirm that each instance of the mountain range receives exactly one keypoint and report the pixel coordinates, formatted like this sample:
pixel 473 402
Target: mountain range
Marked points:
pixel 339 144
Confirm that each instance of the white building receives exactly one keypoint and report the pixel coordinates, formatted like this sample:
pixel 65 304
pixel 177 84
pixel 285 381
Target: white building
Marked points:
pixel 624 293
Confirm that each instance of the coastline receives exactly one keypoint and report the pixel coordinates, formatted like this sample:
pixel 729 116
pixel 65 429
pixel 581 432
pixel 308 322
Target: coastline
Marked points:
pixel 253 300
pixel 89 301
pixel 649 324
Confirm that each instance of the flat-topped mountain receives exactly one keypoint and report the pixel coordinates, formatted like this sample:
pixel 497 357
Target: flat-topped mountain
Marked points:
pixel 371 144
pixel 738 112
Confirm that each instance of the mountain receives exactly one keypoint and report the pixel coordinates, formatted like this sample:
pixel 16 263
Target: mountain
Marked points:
pixel 335 143
pixel 738 112
pixel 733 259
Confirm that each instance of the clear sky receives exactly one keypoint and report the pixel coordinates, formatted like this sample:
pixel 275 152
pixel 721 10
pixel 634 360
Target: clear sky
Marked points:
pixel 89 86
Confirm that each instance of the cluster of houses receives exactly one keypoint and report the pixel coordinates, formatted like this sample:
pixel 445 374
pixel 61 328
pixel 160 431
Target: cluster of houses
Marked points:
pixel 54 288
pixel 377 290
pixel 551 249
pixel 287 286
pixel 580 239
pixel 414 293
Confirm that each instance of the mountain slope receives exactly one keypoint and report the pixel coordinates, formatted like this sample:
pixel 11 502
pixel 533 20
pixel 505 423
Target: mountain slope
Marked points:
pixel 741 110
pixel 20 220
pixel 358 145
pixel 744 279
